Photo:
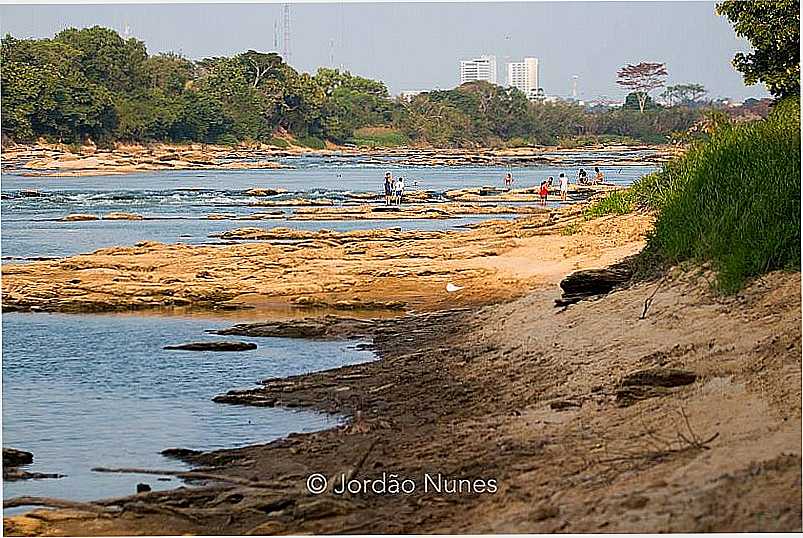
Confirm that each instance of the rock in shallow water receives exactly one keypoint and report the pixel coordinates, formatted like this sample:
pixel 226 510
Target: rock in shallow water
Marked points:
pixel 214 346
pixel 12 474
pixel 13 457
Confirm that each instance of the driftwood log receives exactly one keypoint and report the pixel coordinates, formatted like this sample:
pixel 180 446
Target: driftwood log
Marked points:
pixel 590 283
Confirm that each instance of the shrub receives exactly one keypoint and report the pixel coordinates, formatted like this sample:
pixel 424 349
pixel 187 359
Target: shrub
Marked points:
pixel 227 140
pixel 580 141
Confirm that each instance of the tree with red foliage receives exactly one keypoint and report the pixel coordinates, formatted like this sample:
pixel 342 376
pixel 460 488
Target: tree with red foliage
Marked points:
pixel 642 78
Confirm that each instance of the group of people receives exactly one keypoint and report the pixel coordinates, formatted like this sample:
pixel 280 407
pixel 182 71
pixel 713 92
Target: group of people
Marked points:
pixel 582 177
pixel 394 189
pixel 546 185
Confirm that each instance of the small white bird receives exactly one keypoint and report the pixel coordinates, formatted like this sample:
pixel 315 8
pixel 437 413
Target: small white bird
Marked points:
pixel 452 288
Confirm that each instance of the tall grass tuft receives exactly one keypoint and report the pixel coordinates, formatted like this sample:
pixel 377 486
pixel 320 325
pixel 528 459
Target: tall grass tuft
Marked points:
pixel 733 199
pixel 613 203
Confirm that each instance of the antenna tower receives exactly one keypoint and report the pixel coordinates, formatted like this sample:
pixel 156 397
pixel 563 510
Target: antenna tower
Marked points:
pixel 286 34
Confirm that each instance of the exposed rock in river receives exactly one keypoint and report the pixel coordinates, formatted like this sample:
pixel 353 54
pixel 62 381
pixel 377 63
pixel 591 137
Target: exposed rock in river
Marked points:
pixel 117 215
pixel 80 216
pixel 326 327
pixel 214 346
pixel 12 474
pixel 13 457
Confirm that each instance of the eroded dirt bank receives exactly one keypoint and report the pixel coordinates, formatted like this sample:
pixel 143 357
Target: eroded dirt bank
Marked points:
pixel 589 419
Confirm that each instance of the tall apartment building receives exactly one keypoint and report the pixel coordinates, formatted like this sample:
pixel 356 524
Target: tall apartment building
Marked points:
pixel 524 76
pixel 482 68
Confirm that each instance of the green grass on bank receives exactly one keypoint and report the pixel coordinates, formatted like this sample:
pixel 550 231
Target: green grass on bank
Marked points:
pixel 732 200
pixel 613 203
pixel 279 142
pixel 312 142
pixel 374 137
pixel 580 141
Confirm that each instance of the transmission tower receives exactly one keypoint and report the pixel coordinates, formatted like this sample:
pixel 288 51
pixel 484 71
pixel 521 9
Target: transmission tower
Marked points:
pixel 286 34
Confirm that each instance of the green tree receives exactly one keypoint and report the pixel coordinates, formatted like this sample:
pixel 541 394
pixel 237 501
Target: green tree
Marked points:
pixel 169 72
pixel 434 122
pixel 226 81
pixel 638 101
pixel 46 94
pixel 685 94
pixel 201 118
pixel 773 29
pixel 106 58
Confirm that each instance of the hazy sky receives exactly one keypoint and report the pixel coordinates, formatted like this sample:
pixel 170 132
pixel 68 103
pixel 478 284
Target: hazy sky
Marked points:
pixel 419 45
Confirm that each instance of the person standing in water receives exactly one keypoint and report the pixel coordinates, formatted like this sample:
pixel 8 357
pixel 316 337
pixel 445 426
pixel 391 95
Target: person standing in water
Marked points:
pixel 564 186
pixel 544 191
pixel 508 181
pixel 399 190
pixel 388 188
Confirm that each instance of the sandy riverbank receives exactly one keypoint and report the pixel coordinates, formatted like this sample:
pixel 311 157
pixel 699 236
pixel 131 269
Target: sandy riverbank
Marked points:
pixel 588 419
pixel 409 270
pixel 62 160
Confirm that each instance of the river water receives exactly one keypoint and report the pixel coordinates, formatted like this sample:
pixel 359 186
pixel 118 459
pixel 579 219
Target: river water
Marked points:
pixel 177 203
pixel 99 390
pixel 81 391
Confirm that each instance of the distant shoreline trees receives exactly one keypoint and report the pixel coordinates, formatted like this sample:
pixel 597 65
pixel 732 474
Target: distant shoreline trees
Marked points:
pixel 92 83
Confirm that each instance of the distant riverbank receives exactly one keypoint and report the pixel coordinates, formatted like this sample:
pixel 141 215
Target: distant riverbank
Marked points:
pixel 65 160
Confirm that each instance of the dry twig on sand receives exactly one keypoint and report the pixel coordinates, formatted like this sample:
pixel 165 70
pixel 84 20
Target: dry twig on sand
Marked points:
pixel 648 300
pixel 685 440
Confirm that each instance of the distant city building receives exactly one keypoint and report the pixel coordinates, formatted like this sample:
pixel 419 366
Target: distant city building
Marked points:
pixel 409 94
pixel 482 68
pixel 524 76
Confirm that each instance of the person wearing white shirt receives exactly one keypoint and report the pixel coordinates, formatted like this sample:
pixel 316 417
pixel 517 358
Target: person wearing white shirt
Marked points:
pixel 399 190
pixel 564 186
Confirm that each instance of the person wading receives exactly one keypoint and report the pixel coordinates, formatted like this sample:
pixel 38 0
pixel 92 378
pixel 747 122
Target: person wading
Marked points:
pixel 388 188
pixel 399 190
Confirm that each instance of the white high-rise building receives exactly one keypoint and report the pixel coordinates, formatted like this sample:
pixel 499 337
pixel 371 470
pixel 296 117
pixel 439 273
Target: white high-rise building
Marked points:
pixel 482 68
pixel 524 76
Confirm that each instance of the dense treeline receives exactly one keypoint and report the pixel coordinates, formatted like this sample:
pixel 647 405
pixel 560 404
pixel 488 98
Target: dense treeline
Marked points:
pixel 92 83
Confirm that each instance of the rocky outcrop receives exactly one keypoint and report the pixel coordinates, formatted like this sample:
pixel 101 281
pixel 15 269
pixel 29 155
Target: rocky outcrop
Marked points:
pixel 13 457
pixel 376 269
pixel 324 327
pixel 80 217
